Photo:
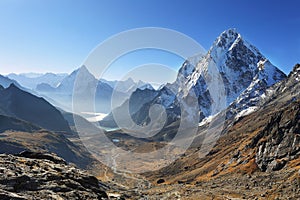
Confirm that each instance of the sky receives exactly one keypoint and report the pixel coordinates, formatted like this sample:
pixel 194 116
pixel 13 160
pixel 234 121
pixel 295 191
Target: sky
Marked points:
pixel 58 35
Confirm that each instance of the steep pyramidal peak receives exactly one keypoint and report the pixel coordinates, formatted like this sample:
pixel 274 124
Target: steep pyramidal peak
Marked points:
pixel 17 103
pixel 67 84
pixel 61 96
pixel 128 85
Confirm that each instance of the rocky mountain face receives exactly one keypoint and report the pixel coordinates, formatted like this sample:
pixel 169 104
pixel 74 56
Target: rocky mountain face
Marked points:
pixel 285 91
pixel 252 98
pixel 45 176
pixel 258 154
pixel 279 141
pixel 17 103
pixel 257 157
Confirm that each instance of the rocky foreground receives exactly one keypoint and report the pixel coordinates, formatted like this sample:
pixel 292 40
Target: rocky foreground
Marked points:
pixel 45 176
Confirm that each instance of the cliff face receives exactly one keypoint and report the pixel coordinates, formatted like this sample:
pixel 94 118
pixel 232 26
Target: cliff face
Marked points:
pixel 279 141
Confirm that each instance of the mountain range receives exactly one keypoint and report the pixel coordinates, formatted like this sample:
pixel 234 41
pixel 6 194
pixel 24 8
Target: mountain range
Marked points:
pixel 32 80
pixel 256 155
pixel 58 88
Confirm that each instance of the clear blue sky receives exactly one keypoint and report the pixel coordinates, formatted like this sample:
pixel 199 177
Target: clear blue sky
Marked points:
pixel 57 35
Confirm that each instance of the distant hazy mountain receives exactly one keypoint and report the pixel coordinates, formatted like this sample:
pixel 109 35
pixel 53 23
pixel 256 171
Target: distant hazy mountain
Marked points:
pixel 19 104
pixel 62 94
pixel 128 85
pixel 32 80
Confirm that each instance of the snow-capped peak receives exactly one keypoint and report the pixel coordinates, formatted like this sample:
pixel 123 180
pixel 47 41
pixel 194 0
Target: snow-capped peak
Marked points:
pixel 245 72
pixel 67 84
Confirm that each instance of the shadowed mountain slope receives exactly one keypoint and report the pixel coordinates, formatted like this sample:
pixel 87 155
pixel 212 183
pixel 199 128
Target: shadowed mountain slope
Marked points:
pixel 19 104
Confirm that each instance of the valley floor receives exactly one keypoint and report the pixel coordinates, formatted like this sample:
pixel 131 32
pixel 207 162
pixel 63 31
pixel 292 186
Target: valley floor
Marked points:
pixel 276 185
pixel 279 185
